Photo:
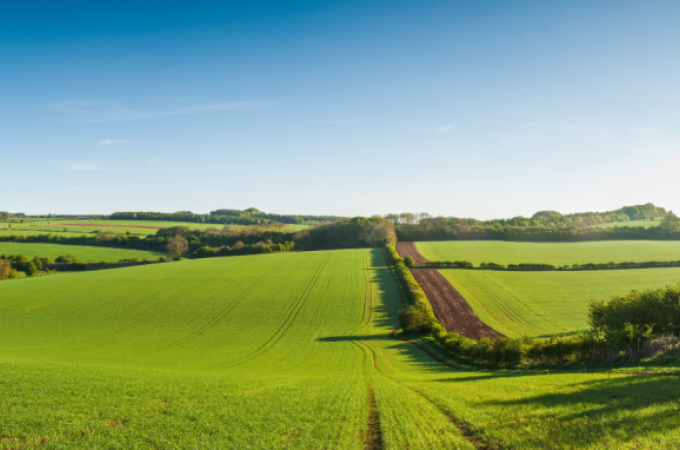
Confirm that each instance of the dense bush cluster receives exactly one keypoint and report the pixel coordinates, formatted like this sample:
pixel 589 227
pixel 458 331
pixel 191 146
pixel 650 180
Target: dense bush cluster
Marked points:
pixel 10 265
pixel 239 248
pixel 346 233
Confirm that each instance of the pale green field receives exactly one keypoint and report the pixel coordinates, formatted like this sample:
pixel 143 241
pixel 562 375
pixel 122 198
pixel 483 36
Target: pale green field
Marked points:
pixel 279 351
pixel 557 253
pixel 636 223
pixel 547 303
pixel 14 232
pixel 121 226
pixel 82 253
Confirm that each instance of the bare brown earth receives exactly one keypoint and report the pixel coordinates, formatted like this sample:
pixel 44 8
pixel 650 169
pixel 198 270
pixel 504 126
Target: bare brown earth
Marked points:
pixel 100 226
pixel 452 310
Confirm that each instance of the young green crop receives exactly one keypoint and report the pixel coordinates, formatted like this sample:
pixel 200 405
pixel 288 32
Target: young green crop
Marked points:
pixel 82 253
pixel 279 351
pixel 556 253
pixel 547 303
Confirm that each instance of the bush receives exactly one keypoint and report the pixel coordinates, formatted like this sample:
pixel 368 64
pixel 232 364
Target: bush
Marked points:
pixel 30 269
pixel 408 261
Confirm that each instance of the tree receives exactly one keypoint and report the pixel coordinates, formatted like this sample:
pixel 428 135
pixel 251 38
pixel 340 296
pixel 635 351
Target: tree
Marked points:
pixel 670 222
pixel 4 215
pixel 408 262
pixel 5 268
pixel 176 246
pixel 30 269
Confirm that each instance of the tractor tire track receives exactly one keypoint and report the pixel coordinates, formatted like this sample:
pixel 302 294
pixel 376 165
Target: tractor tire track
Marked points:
pixel 288 321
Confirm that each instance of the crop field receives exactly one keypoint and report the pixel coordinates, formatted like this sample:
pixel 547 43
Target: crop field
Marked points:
pixel 21 232
pixel 547 303
pixel 82 253
pixel 120 226
pixel 633 223
pixel 280 351
pixel 557 253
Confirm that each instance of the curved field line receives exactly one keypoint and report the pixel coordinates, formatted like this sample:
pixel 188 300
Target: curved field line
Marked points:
pixel 285 326
pixel 501 304
pixel 223 312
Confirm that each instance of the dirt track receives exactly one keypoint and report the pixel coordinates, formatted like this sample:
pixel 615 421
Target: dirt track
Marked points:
pixel 452 310
pixel 100 226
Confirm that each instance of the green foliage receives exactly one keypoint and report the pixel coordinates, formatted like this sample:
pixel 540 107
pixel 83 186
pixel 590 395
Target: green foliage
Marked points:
pixel 250 216
pixel 408 261
pixel 638 315
pixel 346 233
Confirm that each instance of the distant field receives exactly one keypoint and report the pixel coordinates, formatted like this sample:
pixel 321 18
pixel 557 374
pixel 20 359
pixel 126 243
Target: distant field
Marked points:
pixel 636 223
pixel 560 253
pixel 547 303
pixel 82 253
pixel 120 226
pixel 15 232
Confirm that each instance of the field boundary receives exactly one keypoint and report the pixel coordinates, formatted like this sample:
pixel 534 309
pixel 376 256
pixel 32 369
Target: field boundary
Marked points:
pixel 449 306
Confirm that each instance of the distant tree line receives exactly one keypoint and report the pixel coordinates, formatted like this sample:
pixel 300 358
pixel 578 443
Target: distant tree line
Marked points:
pixel 250 216
pixel 182 240
pixel 521 229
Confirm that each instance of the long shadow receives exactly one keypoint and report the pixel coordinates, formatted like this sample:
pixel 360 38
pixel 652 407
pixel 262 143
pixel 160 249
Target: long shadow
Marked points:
pixel 624 407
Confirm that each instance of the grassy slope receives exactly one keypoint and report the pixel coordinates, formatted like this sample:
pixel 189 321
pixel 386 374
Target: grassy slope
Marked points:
pixel 561 253
pixel 277 351
pixel 82 253
pixel 547 303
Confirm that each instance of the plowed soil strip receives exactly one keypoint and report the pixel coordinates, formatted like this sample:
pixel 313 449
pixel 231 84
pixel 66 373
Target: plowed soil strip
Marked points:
pixel 452 310
pixel 409 249
pixel 100 226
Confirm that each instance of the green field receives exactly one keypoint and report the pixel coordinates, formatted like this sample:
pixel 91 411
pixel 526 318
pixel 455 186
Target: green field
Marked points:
pixel 557 253
pixel 279 351
pixel 635 223
pixel 15 232
pixel 82 253
pixel 547 303
pixel 121 226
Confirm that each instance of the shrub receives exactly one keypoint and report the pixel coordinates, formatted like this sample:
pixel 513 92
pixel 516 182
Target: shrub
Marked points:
pixel 408 261
pixel 30 269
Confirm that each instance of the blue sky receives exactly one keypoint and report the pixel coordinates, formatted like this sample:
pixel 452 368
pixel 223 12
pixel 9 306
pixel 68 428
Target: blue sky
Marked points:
pixel 473 108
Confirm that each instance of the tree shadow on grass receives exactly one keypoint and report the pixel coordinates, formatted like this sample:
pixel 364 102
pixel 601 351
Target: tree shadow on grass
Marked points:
pixel 604 412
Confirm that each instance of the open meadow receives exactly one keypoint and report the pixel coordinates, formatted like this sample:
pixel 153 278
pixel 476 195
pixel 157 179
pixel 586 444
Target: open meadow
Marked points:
pixel 556 253
pixel 138 227
pixel 82 253
pixel 277 351
pixel 547 303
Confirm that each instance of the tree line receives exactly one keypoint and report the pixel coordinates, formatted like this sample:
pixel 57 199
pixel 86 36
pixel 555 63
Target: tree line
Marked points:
pixel 250 216
pixel 182 240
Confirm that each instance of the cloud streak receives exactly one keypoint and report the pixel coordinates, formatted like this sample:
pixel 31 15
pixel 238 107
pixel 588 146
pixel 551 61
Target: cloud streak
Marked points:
pixel 112 141
pixel 106 111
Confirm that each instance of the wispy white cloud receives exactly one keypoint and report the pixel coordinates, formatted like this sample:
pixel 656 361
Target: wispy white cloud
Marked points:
pixel 437 129
pixel 83 166
pixel 154 160
pixel 112 141
pixel 107 111
pixel 341 121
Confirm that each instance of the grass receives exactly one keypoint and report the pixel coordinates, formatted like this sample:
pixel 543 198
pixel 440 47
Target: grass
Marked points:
pixel 557 253
pixel 279 351
pixel 547 303
pixel 634 223
pixel 82 253
pixel 122 226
